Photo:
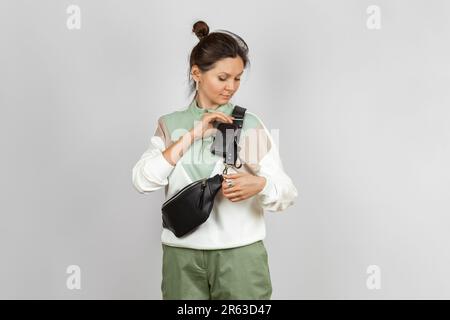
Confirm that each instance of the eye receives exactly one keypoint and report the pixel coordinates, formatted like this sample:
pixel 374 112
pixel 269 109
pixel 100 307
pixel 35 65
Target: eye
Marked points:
pixel 221 79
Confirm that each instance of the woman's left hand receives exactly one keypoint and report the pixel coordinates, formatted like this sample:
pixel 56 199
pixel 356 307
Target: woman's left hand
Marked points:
pixel 245 185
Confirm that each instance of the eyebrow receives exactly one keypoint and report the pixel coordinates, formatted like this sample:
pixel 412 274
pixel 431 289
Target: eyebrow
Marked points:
pixel 230 74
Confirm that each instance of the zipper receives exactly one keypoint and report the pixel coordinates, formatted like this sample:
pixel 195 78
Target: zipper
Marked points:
pixel 203 182
pixel 202 195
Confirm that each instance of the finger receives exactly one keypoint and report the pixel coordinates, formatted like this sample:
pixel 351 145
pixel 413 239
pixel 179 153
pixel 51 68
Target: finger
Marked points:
pixel 224 114
pixel 212 117
pixel 231 195
pixel 229 178
pixel 237 173
pixel 228 191
pixel 227 120
pixel 225 186
pixel 233 175
pixel 222 117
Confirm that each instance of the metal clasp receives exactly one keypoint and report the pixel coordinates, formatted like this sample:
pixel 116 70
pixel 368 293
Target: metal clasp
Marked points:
pixel 225 171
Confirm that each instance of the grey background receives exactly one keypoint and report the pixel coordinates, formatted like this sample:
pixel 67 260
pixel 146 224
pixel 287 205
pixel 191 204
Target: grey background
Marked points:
pixel 364 134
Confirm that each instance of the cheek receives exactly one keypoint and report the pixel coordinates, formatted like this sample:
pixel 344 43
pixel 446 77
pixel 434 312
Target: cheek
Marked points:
pixel 218 86
pixel 213 86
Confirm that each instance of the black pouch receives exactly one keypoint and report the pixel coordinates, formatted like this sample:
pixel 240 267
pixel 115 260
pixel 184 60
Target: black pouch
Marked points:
pixel 226 140
pixel 191 206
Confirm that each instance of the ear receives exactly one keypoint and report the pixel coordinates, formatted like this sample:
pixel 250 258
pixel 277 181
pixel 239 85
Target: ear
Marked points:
pixel 195 72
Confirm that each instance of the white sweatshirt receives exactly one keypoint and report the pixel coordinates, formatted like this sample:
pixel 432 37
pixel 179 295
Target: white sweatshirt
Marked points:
pixel 230 224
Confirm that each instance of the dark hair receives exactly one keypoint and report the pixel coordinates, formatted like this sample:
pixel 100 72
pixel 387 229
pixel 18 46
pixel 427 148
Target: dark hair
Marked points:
pixel 213 47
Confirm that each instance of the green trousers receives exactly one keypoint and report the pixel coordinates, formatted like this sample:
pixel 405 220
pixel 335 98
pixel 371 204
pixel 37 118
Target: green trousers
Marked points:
pixel 235 273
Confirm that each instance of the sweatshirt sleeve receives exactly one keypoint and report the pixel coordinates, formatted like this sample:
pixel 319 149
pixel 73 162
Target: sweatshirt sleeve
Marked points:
pixel 279 192
pixel 150 173
pixel 263 156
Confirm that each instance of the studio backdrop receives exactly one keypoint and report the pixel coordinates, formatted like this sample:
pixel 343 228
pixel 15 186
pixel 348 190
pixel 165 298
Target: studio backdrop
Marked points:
pixel 356 90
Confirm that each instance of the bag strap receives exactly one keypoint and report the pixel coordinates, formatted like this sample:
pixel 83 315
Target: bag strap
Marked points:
pixel 238 114
pixel 232 148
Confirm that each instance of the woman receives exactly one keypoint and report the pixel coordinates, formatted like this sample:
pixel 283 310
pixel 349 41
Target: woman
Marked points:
pixel 225 257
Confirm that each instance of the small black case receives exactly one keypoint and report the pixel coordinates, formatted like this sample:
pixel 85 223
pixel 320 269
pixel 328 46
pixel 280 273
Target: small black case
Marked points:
pixel 227 137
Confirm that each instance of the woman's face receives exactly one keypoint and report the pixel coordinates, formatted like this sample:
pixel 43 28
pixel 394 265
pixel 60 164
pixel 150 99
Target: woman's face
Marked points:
pixel 219 84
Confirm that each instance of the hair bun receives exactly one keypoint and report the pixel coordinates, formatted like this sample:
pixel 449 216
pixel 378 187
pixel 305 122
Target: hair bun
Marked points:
pixel 200 29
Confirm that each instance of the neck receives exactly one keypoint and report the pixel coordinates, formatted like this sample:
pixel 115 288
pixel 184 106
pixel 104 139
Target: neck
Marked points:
pixel 205 103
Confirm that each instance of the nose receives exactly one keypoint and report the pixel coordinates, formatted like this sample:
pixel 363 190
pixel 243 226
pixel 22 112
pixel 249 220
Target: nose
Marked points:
pixel 229 87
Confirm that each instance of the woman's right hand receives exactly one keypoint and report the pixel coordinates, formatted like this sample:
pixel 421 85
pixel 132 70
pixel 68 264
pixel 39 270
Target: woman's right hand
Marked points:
pixel 205 128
